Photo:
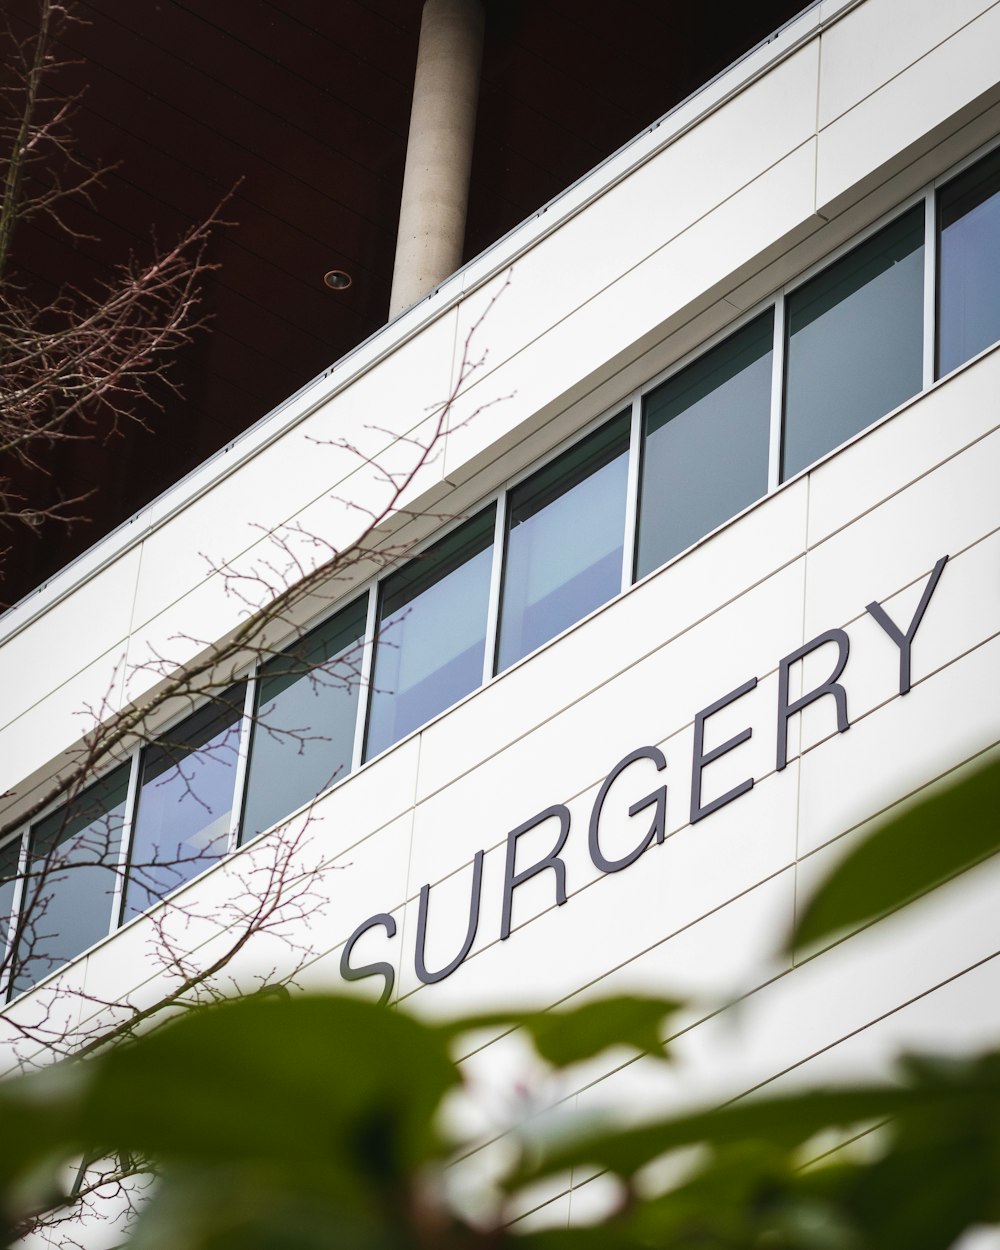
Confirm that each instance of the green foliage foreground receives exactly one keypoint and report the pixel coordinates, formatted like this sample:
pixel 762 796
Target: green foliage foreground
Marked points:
pixel 310 1122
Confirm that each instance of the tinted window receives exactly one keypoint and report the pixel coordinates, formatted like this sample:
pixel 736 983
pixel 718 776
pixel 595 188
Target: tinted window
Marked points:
pixel 565 531
pixel 855 342
pixel 72 874
pixel 705 444
pixel 303 736
pixel 432 633
pixel 9 854
pixel 969 264
pixel 185 802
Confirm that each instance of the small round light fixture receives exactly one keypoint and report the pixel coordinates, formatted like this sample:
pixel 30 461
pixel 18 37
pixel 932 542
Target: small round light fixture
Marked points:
pixel 337 280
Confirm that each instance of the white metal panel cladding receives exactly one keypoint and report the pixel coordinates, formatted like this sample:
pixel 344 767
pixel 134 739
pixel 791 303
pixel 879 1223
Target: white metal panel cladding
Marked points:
pixel 721 246
pixel 649 694
pixel 702 908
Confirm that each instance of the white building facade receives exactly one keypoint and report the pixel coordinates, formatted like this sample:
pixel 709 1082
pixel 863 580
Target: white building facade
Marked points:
pixel 699 577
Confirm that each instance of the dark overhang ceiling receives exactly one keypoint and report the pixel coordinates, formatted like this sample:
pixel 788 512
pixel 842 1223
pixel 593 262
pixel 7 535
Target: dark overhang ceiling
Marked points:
pixel 299 112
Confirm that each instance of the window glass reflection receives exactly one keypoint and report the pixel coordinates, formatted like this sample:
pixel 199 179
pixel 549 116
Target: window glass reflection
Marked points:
pixel 432 633
pixel 855 342
pixel 969 264
pixel 565 532
pixel 705 444
pixel 70 885
pixel 185 802
pixel 303 736
pixel 9 856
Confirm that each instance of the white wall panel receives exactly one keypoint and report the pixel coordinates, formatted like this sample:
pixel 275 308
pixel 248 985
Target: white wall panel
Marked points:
pixel 879 40
pixel 964 611
pixel 37 661
pixel 872 974
pixel 814 1008
pixel 634 311
pixel 51 726
pixel 727 952
pixel 899 541
pixel 897 114
pixel 933 427
pixel 658 202
pixel 961 1017
pixel 816 865
pixel 554 1214
pixel 33 1022
pixel 942 722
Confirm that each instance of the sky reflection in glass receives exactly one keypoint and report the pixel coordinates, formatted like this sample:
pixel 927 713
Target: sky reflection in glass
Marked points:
pixel 431 633
pixel 185 802
pixel 565 532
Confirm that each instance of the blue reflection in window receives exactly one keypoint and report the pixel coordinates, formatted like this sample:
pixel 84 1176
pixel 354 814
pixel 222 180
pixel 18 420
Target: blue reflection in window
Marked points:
pixel 855 342
pixel 185 802
pixel 70 884
pixel 705 444
pixel 9 856
pixel 303 735
pixel 969 264
pixel 432 633
pixel 565 534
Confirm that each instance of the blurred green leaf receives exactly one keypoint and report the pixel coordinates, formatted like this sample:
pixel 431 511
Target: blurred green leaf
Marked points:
pixel 309 1123
pixel 39 1119
pixel 925 844
pixel 567 1036
pixel 783 1122
pixel 298 1080
pixel 246 1206
pixel 300 1122
pixel 937 1173
pixel 929 1094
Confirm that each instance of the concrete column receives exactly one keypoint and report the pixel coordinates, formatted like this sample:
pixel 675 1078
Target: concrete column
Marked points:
pixel 439 149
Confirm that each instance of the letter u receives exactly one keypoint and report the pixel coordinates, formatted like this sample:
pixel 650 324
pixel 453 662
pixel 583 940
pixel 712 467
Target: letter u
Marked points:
pixel 426 976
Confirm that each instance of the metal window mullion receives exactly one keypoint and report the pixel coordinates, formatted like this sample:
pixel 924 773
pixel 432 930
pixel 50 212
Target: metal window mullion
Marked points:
pixel 364 681
pixel 16 903
pixel 632 494
pixel 777 394
pixel 496 581
pixel 243 757
pixel 125 848
pixel 930 288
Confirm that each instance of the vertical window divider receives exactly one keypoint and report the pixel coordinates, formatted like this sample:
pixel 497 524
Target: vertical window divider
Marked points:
pixel 777 394
pixel 243 757
pixel 930 287
pixel 632 493
pixel 364 680
pixel 17 901
pixel 496 583
pixel 125 846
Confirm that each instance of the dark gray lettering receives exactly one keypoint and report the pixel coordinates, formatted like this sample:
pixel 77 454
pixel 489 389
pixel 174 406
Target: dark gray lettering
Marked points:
pixel 512 880
pixel 422 970
pixel 829 687
pixel 701 758
pixel 381 969
pixel 658 798
pixel 905 641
